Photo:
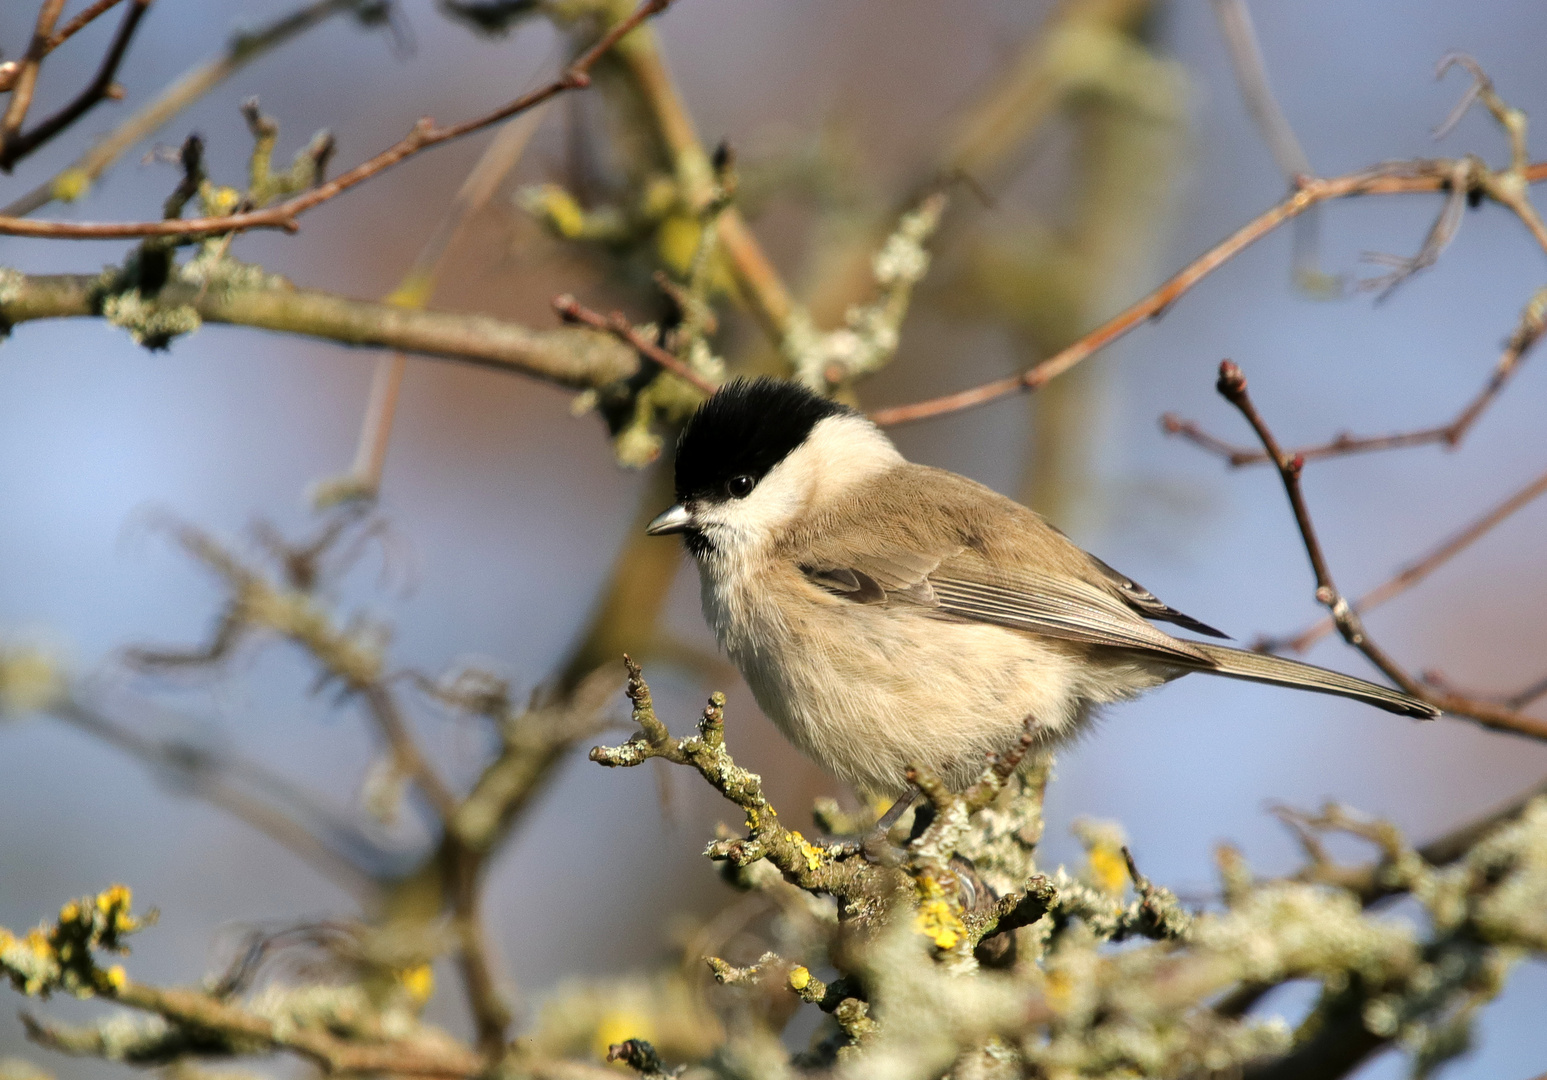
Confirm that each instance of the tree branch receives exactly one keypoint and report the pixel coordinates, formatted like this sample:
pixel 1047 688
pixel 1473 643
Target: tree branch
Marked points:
pixel 424 135
pixel 99 89
pixel 1391 179
pixel 1416 571
pixel 74 181
pixel 247 297
pixel 1232 386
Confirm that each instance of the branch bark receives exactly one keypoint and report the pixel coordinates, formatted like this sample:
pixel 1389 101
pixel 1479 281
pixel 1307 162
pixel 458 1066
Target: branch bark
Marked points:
pixel 569 356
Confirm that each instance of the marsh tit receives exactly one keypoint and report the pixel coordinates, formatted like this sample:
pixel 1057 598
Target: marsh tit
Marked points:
pixel 885 613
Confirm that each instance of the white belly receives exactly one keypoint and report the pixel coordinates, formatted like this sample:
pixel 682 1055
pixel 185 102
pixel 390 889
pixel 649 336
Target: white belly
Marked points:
pixel 868 690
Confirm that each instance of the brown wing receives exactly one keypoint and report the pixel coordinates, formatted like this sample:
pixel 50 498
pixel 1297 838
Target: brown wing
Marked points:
pixel 996 563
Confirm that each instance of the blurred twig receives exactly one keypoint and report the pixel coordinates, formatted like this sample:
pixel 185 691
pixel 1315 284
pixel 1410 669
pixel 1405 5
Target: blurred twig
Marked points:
pixel 695 175
pixel 333 847
pixel 415 290
pixel 25 81
pixel 11 68
pixel 1251 74
pixel 16 144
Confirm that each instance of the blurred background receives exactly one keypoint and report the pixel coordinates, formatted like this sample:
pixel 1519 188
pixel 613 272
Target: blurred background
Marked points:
pixel 507 512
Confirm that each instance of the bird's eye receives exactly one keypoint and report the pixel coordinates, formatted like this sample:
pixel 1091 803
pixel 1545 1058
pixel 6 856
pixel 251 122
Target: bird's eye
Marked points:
pixel 740 487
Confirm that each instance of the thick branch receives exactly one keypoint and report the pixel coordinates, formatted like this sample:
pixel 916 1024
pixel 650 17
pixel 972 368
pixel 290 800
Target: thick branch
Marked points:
pixel 569 356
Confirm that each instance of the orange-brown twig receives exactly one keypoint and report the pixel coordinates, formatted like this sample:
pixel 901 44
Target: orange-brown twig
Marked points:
pixel 1533 323
pixel 101 87
pixel 618 324
pixel 25 77
pixel 283 215
pixel 1232 386
pixel 1390 179
pixel 1415 572
pixel 11 68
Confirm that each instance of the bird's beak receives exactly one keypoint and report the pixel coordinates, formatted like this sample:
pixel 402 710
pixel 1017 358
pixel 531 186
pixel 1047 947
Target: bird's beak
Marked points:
pixel 675 520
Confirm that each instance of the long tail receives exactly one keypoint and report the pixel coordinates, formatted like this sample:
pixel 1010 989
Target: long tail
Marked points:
pixel 1258 667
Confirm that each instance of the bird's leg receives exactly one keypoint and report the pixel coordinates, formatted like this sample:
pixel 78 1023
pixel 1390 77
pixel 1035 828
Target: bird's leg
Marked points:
pixel 874 845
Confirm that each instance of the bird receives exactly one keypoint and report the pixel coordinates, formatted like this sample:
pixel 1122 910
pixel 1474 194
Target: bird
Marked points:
pixel 888 615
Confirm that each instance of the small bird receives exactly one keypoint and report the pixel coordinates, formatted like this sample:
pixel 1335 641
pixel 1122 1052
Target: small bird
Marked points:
pixel 886 613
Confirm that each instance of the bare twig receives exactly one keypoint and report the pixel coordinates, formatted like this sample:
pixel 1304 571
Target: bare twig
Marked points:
pixel 1421 568
pixel 1390 179
pixel 330 846
pixel 74 181
pixel 414 291
pixel 424 135
pixel 18 145
pixel 1251 76
pixel 1440 234
pixel 26 78
pixel 11 68
pixel 1232 386
pixel 618 324
pixel 1533 322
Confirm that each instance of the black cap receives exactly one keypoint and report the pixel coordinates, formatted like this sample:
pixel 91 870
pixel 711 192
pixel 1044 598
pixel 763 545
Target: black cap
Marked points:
pixel 745 429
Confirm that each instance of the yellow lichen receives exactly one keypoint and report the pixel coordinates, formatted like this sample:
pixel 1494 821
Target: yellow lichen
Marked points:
pixel 30 680
pixel 1108 868
pixel 617 1026
pixel 419 981
pixel 812 854
pixel 71 185
pixel 800 978
pixel 937 918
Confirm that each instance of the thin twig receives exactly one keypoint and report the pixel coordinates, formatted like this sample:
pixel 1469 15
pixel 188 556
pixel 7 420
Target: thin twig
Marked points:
pixel 26 78
pixel 618 324
pixel 1533 323
pixel 1232 386
pixel 1251 76
pixel 414 291
pixel 424 135
pixel 1416 571
pixel 217 780
pixel 99 89
pixel 1391 179
pixel 243 49
pixel 10 68
pixel 389 720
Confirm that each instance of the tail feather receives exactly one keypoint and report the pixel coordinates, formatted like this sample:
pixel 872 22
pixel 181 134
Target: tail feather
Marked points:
pixel 1259 667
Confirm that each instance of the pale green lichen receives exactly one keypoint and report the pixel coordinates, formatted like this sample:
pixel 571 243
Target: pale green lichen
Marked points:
pixel 868 339
pixel 150 322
